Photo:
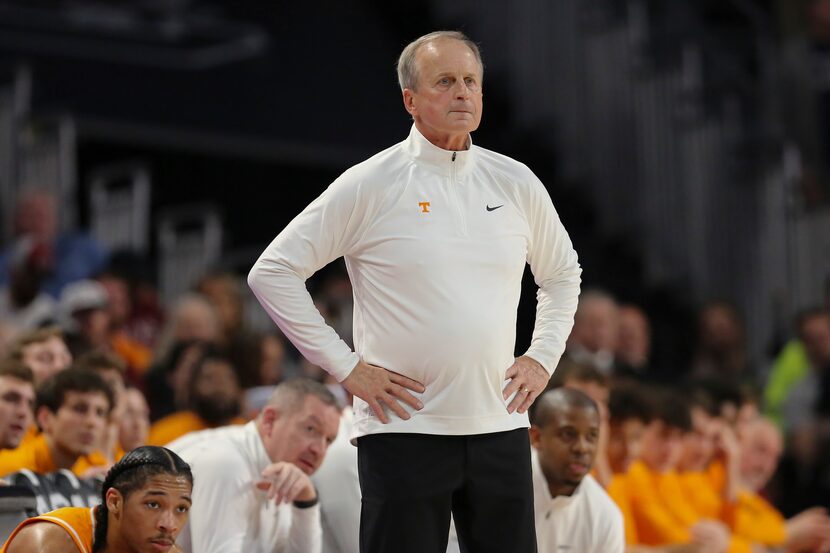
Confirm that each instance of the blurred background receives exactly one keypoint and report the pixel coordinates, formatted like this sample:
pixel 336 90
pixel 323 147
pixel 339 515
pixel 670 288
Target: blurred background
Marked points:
pixel 684 144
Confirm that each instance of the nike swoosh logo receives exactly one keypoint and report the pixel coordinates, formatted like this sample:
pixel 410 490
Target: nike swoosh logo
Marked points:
pixel 494 208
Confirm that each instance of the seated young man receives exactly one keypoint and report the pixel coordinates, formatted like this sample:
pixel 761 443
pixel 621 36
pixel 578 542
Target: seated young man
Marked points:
pixel 72 411
pixel 111 369
pixel 572 509
pixel 660 512
pixel 17 402
pixel 214 397
pixel 145 502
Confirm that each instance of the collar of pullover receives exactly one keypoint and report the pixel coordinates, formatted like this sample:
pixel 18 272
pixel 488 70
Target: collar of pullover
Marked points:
pixel 437 159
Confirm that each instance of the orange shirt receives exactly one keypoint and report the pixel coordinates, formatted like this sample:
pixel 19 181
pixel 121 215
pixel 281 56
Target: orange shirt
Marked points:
pixel 33 455
pixel 618 491
pixel 136 355
pixel 758 521
pixel 655 522
pixel 78 522
pixel 178 424
pixel 95 459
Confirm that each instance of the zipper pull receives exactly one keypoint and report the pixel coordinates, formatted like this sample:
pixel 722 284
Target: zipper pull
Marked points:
pixel 453 155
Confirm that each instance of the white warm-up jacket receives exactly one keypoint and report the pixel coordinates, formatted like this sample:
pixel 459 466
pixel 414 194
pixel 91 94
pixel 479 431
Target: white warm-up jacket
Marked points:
pixel 435 243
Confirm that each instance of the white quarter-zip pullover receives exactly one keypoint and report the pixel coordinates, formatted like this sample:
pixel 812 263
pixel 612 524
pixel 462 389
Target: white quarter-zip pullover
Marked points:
pixel 435 243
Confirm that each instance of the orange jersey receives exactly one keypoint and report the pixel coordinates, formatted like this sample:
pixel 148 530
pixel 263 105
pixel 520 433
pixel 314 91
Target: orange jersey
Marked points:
pixel 78 522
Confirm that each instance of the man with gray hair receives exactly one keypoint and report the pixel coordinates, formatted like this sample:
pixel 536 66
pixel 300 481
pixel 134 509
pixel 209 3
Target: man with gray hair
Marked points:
pixel 252 482
pixel 435 233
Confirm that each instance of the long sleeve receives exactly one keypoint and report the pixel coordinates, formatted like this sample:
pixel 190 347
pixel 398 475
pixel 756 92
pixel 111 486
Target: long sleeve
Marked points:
pixel 655 524
pixel 324 231
pixel 305 534
pixel 556 271
pixel 223 495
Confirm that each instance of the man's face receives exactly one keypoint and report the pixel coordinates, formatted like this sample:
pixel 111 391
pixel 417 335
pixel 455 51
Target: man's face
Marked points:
pixel 815 333
pixel 135 420
pixel 699 444
pixel 216 393
pixel 634 337
pixel 760 451
pixel 625 443
pixel 301 437
pixel 567 445
pixel 596 326
pixel 448 99
pixel 660 446
pixel 79 424
pixel 47 358
pixel 17 400
pixel 150 518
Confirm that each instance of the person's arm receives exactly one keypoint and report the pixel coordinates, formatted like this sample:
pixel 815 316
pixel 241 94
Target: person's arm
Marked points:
pixel 556 271
pixel 306 534
pixel 330 227
pixel 43 537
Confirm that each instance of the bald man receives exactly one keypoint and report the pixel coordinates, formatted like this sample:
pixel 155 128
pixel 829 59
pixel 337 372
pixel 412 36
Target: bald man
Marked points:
pixel 573 512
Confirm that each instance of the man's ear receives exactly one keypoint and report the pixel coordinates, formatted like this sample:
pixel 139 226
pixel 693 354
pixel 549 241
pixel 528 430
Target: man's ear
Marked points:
pixel 43 418
pixel 268 416
pixel 409 101
pixel 114 502
pixel 535 435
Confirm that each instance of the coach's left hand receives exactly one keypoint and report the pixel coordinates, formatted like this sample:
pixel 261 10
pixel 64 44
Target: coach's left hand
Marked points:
pixel 529 378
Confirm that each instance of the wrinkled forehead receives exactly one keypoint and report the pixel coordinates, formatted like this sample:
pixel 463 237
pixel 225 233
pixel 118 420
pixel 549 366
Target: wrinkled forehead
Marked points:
pixel 446 53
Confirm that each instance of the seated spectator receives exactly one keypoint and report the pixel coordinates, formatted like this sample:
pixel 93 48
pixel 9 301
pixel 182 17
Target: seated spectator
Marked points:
pixel 593 339
pixel 721 349
pixel 253 481
pixel 661 516
pixel 135 420
pixel 795 364
pixel 111 368
pixel 67 256
pixel 17 402
pixel 145 500
pixel 629 414
pixel 136 355
pixel 23 304
pixel 72 411
pixel 573 512
pixel 168 382
pixel 84 316
pixel 192 319
pixel 756 518
pixel 243 346
pixel 633 343
pixel 44 351
pixel 215 399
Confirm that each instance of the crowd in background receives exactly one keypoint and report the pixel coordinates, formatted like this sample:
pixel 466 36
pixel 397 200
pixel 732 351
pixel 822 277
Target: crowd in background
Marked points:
pixel 732 455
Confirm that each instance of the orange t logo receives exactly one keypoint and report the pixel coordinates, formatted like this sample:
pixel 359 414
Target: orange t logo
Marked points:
pixel 424 207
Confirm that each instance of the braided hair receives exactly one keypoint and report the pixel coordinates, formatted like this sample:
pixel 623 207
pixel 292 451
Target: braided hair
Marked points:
pixel 130 474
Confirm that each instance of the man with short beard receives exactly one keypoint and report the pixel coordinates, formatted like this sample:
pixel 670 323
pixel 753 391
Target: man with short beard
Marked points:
pixel 214 397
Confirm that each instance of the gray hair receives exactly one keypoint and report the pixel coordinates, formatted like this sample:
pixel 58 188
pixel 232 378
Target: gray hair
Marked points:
pixel 289 396
pixel 408 70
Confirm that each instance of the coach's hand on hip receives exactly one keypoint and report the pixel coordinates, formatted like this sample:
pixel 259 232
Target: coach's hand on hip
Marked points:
pixel 378 387
pixel 528 378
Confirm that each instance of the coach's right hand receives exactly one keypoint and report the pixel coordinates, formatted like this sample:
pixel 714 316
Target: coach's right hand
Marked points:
pixel 379 387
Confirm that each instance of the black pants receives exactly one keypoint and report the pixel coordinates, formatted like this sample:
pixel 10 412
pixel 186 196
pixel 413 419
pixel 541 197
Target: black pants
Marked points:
pixel 411 482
